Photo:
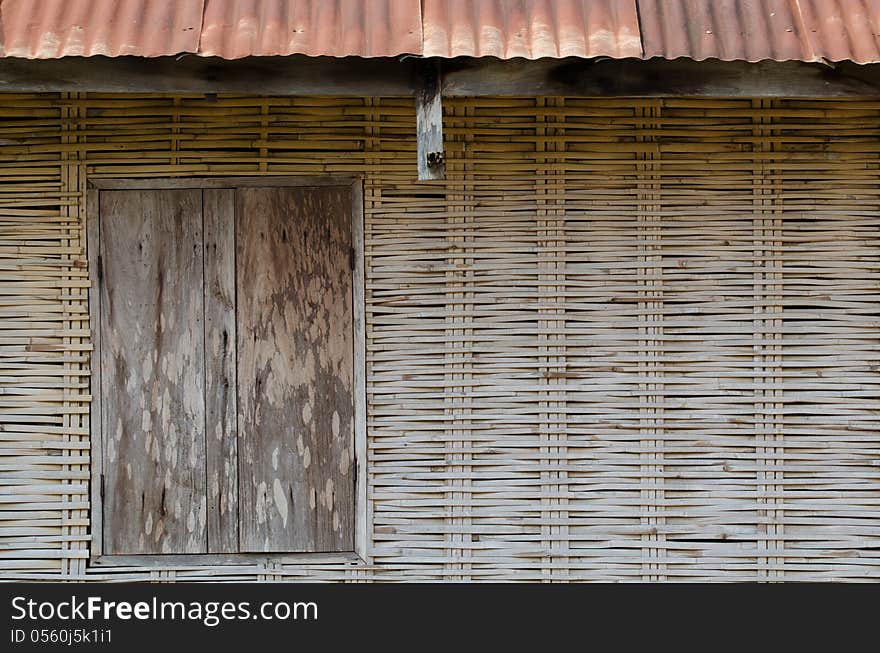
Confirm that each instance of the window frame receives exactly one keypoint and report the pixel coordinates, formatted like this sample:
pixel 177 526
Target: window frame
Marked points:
pixel 360 555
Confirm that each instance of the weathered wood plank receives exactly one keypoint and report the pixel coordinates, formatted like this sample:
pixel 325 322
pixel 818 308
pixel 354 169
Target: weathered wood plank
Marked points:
pixel 574 77
pixel 295 407
pixel 198 183
pixel 220 375
pixel 217 559
pixel 295 75
pixel 463 76
pixel 363 507
pixel 152 364
pixel 93 246
pixel 429 123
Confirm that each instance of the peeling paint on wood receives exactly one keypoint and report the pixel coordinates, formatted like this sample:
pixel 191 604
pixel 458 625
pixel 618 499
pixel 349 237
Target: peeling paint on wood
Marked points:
pixel 295 403
pixel 231 366
pixel 152 372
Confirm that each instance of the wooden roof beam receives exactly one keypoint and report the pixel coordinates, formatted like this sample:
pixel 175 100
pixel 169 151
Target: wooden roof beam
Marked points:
pixel 390 77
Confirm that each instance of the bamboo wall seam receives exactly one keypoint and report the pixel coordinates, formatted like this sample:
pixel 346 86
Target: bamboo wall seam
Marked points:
pixel 624 340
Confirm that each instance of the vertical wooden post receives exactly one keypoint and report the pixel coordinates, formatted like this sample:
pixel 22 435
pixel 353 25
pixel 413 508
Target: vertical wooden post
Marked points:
pixel 429 122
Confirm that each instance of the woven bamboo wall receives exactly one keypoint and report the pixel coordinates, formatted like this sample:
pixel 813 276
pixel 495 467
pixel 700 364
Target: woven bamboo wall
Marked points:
pixel 625 340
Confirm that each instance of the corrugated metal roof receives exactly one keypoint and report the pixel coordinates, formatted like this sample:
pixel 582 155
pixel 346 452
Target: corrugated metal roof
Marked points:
pixel 754 30
pixel 49 29
pixel 751 30
pixel 231 29
pixel 369 28
pixel 840 30
pixel 531 28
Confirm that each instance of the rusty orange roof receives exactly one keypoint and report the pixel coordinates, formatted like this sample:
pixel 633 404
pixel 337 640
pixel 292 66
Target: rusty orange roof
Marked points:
pixel 49 29
pixel 749 30
pixel 231 29
pixel 369 28
pixel 535 29
pixel 754 30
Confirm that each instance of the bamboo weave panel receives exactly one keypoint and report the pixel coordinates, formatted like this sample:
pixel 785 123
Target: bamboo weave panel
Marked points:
pixel 625 340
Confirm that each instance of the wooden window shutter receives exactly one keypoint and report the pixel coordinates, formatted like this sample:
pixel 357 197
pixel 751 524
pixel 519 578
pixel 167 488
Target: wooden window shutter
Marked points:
pixel 226 370
pixel 295 369
pixel 152 372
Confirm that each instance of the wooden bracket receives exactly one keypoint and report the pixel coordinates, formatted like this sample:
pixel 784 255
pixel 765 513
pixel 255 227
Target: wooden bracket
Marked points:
pixel 429 121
